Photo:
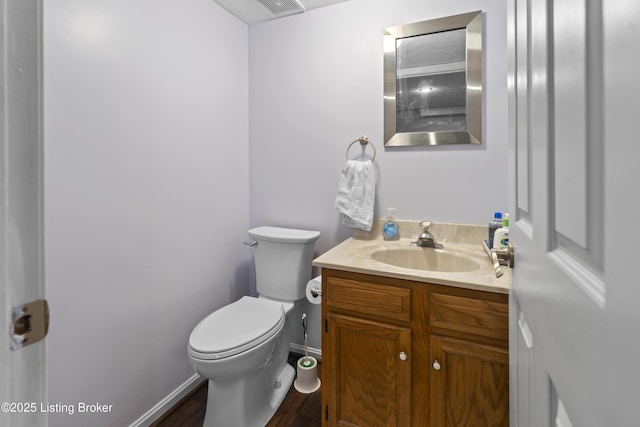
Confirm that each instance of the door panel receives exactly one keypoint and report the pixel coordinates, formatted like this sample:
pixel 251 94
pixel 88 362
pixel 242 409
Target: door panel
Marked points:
pixel 569 120
pixel 368 373
pixel 570 304
pixel 520 108
pixel 470 384
pixel 577 122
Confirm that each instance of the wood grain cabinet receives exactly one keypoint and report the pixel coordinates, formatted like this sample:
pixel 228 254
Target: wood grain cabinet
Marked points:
pixel 402 353
pixel 470 361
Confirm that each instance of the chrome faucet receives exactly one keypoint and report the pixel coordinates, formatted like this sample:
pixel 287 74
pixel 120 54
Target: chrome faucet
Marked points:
pixel 426 239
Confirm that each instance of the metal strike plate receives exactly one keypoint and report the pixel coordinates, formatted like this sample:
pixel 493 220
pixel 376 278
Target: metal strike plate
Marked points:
pixel 29 324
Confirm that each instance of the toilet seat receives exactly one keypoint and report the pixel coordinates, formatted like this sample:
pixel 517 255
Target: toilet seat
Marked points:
pixel 236 328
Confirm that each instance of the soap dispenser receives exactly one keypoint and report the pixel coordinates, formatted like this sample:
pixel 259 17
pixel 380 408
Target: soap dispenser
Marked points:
pixel 390 227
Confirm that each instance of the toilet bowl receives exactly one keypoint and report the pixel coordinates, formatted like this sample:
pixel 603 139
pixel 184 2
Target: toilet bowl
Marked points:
pixel 242 348
pixel 245 361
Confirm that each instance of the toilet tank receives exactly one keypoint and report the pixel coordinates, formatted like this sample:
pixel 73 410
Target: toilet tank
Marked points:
pixel 283 261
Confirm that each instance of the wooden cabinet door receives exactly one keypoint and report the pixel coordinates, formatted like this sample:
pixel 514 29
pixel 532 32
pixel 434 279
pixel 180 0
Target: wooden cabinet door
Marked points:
pixel 469 384
pixel 369 384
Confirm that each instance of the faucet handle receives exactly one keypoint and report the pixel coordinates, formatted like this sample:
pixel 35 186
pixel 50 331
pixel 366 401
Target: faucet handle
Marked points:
pixel 425 239
pixel 424 225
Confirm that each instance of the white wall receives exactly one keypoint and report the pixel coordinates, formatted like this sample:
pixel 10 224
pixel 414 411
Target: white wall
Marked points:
pixel 316 84
pixel 152 179
pixel 147 193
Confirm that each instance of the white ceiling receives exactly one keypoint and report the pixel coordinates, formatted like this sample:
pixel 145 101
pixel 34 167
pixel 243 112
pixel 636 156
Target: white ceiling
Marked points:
pixel 252 11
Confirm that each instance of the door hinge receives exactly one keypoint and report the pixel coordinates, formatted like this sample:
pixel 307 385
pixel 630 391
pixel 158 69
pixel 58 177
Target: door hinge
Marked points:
pixel 326 325
pixel 29 323
pixel 326 413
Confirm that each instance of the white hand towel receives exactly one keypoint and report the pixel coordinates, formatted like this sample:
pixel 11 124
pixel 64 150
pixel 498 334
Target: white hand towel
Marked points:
pixel 356 194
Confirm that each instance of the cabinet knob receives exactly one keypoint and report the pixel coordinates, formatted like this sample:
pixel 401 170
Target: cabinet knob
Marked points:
pixel 403 356
pixel 436 365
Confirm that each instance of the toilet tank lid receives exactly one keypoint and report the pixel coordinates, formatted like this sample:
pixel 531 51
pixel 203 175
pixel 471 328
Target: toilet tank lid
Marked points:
pixel 283 235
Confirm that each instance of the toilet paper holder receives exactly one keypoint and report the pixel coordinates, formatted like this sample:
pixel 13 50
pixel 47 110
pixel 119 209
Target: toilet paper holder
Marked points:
pixel 315 291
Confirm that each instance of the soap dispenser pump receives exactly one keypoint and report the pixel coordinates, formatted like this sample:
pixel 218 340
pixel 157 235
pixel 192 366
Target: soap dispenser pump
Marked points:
pixel 390 227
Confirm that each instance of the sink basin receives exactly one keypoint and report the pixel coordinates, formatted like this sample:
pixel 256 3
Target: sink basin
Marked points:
pixel 426 259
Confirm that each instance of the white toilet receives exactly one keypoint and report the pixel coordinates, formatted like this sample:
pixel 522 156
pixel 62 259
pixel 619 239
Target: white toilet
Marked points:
pixel 242 348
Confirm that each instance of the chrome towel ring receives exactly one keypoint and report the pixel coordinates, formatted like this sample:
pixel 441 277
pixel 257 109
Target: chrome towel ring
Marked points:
pixel 363 140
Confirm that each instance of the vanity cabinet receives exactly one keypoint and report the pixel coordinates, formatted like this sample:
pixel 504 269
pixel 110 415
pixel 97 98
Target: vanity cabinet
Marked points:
pixel 404 353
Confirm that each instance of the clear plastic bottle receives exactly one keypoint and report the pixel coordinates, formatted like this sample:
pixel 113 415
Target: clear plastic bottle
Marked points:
pixel 493 226
pixel 390 227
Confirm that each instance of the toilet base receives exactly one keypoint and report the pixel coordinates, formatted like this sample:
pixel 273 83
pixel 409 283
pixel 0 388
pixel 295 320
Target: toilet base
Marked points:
pixel 286 379
pixel 246 402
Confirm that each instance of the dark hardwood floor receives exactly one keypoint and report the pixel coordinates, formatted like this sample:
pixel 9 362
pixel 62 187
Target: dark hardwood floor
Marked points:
pixel 297 410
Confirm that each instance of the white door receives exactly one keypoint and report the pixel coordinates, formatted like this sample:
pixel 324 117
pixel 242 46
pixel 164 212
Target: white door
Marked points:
pixel 574 173
pixel 22 372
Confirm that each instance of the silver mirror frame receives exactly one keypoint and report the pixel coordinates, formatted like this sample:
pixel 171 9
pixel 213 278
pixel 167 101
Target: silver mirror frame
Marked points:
pixel 472 22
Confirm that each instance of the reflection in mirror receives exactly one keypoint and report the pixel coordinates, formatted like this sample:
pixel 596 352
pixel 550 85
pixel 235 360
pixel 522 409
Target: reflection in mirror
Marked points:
pixel 431 92
pixel 433 82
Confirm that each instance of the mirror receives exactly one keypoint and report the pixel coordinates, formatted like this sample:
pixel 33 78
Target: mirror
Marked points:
pixel 433 82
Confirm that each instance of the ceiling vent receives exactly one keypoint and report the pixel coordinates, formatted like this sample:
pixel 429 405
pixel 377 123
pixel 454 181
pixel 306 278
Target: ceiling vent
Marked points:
pixel 279 7
pixel 252 11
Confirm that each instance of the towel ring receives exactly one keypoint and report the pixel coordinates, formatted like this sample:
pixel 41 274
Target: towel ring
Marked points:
pixel 363 140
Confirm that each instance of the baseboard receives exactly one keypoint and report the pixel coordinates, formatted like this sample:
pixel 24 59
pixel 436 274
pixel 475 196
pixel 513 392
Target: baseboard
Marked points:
pixel 162 407
pixel 297 348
